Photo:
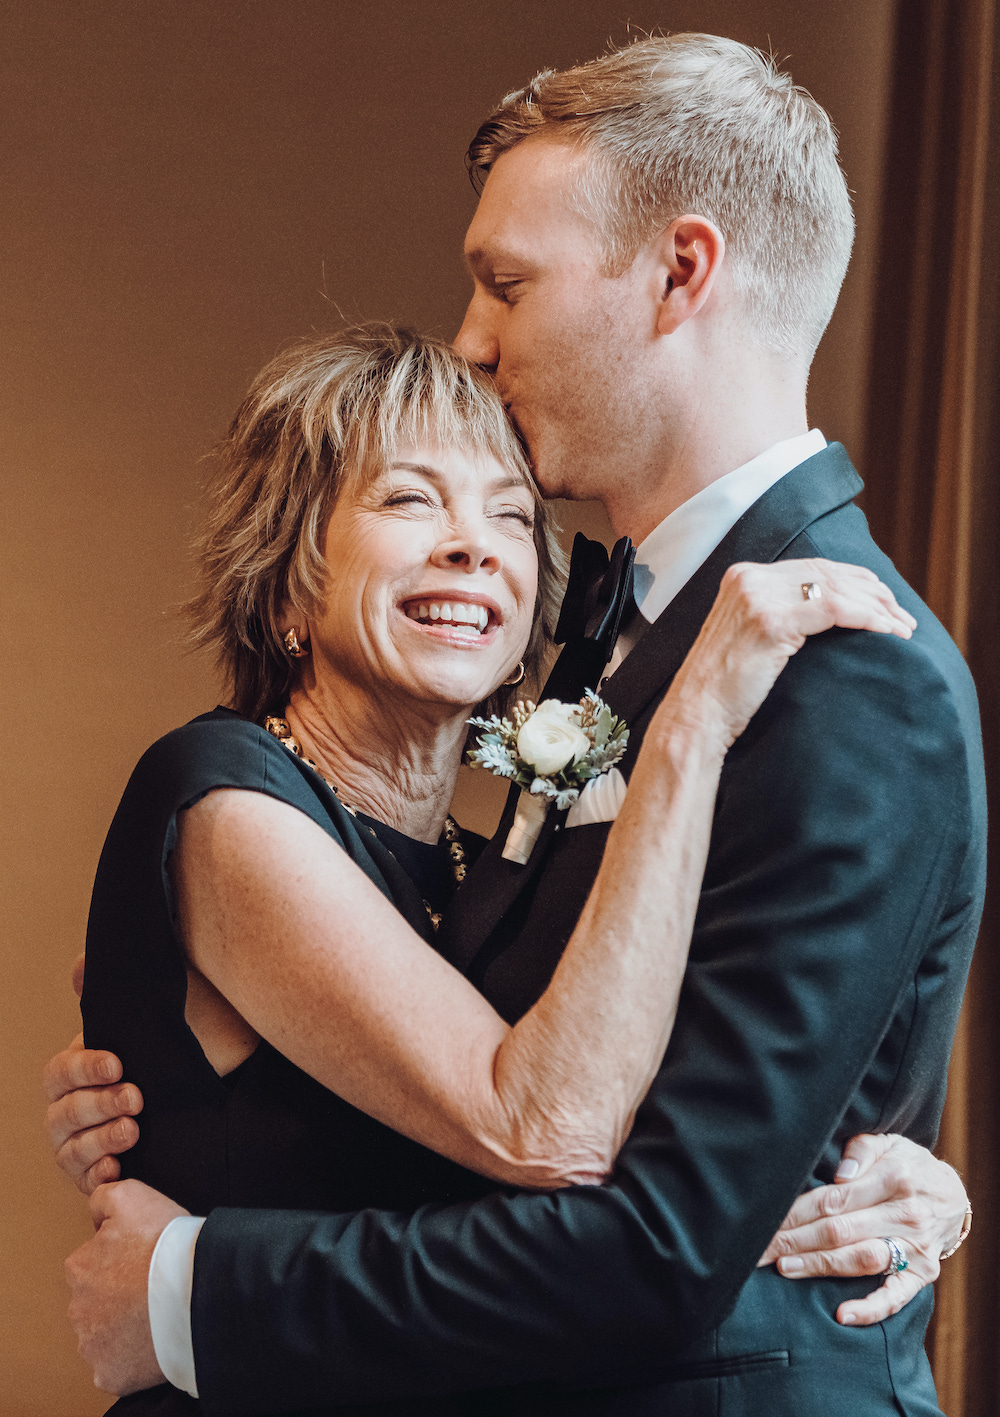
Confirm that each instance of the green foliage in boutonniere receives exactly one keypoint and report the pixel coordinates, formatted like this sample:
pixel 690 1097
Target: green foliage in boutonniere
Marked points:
pixel 551 749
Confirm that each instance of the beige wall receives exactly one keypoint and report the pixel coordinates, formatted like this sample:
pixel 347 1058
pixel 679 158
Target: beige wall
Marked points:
pixel 185 187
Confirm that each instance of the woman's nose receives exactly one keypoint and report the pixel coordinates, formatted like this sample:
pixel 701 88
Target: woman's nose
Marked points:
pixel 468 546
pixel 476 339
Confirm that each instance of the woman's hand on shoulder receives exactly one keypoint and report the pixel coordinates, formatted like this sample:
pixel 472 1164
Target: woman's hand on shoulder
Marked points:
pixel 763 615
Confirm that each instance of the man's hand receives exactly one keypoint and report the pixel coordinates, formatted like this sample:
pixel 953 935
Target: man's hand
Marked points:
pixel 108 1276
pixel 886 1185
pixel 89 1119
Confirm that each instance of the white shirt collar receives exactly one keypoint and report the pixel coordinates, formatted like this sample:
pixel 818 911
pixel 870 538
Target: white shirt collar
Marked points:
pixel 674 550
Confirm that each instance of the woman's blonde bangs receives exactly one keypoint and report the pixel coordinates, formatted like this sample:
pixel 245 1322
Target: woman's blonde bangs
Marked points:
pixel 328 415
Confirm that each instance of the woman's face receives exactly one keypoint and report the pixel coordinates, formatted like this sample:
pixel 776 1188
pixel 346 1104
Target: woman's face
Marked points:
pixel 431 580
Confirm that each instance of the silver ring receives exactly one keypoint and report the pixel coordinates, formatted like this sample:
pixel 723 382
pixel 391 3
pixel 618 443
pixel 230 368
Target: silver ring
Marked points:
pixel 897 1256
pixel 812 590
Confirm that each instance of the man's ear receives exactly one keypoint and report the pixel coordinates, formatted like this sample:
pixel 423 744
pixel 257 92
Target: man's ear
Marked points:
pixel 690 253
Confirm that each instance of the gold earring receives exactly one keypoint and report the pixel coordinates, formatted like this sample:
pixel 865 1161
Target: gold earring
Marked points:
pixel 295 650
pixel 518 676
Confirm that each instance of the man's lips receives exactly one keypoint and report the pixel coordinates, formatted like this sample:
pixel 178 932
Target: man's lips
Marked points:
pixel 472 618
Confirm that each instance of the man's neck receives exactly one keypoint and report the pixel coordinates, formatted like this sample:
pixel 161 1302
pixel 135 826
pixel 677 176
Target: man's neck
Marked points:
pixel 719 433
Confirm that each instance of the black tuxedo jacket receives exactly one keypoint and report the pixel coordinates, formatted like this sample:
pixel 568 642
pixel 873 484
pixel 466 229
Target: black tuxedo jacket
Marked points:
pixel 839 908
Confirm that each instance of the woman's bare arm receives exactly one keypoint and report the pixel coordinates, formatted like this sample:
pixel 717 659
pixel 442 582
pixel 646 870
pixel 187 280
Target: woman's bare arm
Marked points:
pixel 314 958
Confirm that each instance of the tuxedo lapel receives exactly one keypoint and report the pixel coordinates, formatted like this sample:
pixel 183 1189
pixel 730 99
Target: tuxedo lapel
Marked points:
pixel 819 485
pixel 490 890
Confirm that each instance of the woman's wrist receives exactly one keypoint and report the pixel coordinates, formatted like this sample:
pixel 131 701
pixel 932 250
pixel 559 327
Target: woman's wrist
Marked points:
pixel 692 726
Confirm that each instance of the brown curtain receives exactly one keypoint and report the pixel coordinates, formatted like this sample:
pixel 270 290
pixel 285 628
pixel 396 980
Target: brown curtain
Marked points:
pixel 933 498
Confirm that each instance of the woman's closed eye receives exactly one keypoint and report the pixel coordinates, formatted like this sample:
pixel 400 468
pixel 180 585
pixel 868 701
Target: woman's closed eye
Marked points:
pixel 410 497
pixel 514 513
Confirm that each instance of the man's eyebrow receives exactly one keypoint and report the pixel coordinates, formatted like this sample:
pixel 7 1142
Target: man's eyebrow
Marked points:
pixel 476 259
pixel 486 260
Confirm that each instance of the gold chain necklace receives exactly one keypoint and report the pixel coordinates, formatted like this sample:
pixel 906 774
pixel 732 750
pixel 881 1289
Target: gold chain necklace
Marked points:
pixel 278 728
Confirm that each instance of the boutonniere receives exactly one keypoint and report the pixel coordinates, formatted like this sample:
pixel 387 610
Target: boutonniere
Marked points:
pixel 551 751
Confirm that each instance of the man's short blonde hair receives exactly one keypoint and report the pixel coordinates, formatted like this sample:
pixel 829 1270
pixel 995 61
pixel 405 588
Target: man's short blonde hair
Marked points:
pixel 324 416
pixel 694 123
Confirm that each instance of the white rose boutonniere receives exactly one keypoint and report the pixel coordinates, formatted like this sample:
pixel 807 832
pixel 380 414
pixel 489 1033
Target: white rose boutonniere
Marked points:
pixel 551 750
pixel 551 738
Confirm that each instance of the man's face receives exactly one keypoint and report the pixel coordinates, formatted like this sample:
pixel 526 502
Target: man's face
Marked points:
pixel 568 345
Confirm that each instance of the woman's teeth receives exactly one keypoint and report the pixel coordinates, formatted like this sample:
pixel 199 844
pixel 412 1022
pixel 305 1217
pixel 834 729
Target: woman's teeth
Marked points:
pixel 467 619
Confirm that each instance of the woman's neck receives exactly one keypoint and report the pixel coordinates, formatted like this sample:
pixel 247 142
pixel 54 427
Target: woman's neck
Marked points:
pixel 400 773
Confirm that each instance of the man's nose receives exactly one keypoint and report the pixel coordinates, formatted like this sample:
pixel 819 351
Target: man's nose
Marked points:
pixel 477 339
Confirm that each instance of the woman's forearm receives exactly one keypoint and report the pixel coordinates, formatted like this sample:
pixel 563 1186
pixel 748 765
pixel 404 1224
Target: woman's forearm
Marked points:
pixel 571 1073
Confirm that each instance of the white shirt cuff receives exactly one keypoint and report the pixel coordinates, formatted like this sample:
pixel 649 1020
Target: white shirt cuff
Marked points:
pixel 171 1279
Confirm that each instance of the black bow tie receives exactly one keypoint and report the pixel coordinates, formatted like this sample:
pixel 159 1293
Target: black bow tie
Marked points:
pixel 597 593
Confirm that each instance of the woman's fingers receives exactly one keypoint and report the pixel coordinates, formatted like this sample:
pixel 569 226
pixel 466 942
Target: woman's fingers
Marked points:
pixel 808 596
pixel 829 1246
pixel 860 1154
pixel 762 616
pixel 866 1257
pixel 881 1303
pixel 102 1173
pixel 856 598
pixel 836 1215
pixel 899 1189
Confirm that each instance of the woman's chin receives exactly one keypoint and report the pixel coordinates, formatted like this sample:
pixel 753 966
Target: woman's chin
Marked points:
pixel 457 678
pixel 457 692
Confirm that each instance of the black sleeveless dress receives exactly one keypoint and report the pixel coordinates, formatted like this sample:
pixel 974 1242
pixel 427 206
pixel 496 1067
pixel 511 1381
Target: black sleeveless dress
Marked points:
pixel 266 1134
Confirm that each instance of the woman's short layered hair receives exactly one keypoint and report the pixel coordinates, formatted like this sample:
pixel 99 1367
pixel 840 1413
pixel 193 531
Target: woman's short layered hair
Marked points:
pixel 698 124
pixel 325 416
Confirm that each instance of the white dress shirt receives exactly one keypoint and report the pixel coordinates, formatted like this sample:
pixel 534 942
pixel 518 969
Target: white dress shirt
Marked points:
pixel 664 563
pixel 684 540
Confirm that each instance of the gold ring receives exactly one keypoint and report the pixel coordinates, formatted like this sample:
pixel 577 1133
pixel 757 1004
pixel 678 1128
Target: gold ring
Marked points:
pixel 811 590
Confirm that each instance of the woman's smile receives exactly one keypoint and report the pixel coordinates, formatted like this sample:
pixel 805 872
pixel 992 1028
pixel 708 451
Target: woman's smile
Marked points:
pixel 431 579
pixel 448 615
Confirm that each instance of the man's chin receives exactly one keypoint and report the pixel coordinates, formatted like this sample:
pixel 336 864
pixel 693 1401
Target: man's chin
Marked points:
pixel 555 484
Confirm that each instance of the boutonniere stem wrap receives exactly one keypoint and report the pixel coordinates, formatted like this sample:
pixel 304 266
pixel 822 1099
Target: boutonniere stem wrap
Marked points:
pixel 551 751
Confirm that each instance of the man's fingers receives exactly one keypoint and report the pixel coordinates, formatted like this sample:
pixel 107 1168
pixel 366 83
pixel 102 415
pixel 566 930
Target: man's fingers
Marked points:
pixel 881 1303
pixel 90 1107
pixel 101 1205
pixel 102 1173
pixel 87 1149
pixel 77 1066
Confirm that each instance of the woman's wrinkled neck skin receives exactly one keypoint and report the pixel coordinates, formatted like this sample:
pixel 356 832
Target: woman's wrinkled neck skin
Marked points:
pixel 395 766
